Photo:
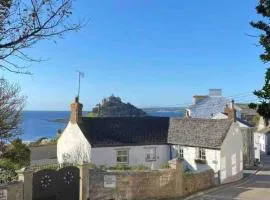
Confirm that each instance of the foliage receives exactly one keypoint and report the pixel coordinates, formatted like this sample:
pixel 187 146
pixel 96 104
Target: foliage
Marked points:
pixel 91 114
pixel 18 153
pixel 139 167
pixel 264 96
pixel 7 164
pixel 253 106
pixel 263 8
pixel 123 167
pixel 7 176
pixel 120 167
pixel 103 167
pixel 256 120
pixel 24 23
pixel 11 106
pixel 166 166
pixel 114 107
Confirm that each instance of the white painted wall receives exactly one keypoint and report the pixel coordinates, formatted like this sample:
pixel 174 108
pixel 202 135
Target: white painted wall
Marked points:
pixel 72 146
pixel 212 159
pixel 231 166
pixel 263 144
pixel 257 146
pixel 137 155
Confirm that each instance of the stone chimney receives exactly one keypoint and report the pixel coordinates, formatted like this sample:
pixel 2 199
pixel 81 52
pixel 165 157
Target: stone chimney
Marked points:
pixel 198 98
pixel 230 111
pixel 76 111
pixel 215 92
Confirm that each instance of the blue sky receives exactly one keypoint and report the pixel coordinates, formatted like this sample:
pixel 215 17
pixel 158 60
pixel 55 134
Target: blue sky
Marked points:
pixel 148 52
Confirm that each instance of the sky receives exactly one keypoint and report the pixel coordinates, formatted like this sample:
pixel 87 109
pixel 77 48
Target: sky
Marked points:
pixel 150 53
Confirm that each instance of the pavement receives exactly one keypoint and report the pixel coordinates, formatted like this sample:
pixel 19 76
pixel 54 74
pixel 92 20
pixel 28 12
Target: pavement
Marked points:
pixel 256 186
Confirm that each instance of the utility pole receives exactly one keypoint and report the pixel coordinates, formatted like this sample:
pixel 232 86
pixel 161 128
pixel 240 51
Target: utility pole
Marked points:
pixel 81 75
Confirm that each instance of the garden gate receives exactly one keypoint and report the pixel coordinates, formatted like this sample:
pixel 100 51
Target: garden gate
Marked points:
pixel 64 184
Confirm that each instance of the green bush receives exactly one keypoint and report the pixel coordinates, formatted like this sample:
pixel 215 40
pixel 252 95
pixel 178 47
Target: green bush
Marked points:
pixel 139 167
pixel 103 167
pixel 120 167
pixel 17 153
pixel 165 166
pixel 8 164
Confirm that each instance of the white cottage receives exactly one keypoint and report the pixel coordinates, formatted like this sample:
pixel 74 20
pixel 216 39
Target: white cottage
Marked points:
pixel 114 140
pixel 152 141
pixel 204 144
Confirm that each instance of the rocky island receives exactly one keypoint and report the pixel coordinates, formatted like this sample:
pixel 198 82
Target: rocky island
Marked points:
pixel 114 107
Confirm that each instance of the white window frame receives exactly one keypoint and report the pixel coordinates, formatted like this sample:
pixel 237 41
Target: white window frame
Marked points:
pixel 150 154
pixel 180 152
pixel 125 155
pixel 201 154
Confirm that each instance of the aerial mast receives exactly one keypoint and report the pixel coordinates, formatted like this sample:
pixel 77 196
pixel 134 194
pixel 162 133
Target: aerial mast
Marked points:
pixel 81 75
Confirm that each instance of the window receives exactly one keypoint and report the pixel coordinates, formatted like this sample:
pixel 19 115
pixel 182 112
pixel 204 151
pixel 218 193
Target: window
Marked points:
pixel 180 152
pixel 201 154
pixel 151 154
pixel 122 156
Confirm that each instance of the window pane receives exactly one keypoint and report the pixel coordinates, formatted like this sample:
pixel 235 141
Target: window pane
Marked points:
pixel 123 152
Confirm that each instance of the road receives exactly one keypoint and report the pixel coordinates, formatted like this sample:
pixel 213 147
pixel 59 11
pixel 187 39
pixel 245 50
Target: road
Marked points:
pixel 257 187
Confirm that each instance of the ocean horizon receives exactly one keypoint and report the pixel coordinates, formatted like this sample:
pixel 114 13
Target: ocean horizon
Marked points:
pixel 39 124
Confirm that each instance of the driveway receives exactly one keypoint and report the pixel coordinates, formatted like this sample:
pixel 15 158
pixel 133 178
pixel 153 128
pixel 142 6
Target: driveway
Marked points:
pixel 257 187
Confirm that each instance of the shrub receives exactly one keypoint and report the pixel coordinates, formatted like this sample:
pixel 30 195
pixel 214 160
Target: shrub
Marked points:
pixel 17 153
pixel 165 166
pixel 103 167
pixel 140 167
pixel 8 165
pixel 120 167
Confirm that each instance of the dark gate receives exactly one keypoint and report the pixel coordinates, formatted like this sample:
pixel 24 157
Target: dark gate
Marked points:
pixel 63 184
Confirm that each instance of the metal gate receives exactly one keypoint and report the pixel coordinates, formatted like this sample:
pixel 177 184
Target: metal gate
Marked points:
pixel 63 184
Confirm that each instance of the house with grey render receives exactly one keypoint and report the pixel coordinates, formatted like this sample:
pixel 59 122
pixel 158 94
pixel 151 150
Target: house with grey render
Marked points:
pixel 200 144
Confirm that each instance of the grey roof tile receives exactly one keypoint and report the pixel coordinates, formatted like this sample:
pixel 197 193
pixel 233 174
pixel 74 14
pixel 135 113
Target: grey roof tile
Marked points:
pixel 206 133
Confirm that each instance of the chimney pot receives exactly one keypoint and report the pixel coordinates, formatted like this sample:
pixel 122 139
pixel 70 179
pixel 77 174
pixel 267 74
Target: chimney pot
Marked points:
pixel 231 111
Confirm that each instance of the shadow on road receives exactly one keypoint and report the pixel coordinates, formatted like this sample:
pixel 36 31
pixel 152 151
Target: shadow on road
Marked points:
pixel 257 187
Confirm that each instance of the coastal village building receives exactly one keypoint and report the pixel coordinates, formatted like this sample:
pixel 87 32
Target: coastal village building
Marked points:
pixel 201 144
pixel 215 106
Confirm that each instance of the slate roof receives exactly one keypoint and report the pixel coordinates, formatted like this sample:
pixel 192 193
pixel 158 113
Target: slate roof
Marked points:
pixel 125 131
pixel 209 107
pixel 136 131
pixel 205 133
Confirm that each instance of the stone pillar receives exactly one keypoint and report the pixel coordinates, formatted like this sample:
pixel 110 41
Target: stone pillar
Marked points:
pixel 26 176
pixel 178 172
pixel 84 181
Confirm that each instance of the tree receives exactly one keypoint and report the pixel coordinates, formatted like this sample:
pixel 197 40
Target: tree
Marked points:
pixel 263 8
pixel 23 23
pixel 17 153
pixel 11 106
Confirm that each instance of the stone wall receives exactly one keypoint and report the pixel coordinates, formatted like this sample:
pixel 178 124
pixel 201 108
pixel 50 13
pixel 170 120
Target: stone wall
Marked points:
pixel 159 184
pixel 194 182
pixel 14 191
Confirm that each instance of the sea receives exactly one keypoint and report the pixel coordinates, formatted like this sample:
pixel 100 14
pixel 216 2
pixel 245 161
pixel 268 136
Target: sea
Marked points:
pixel 39 124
